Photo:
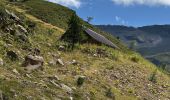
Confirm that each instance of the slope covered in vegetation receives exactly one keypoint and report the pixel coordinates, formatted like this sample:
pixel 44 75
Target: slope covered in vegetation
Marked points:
pixel 36 65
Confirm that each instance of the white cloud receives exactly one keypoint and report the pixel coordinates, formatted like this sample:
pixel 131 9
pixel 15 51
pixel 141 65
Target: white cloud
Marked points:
pixel 121 20
pixel 68 3
pixel 117 18
pixel 143 2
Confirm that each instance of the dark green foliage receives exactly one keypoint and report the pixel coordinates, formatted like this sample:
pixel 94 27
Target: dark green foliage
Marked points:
pixel 135 59
pixel 74 34
pixel 12 55
pixel 80 81
pixel 3 18
pixel 110 94
pixel 163 66
pixel 152 77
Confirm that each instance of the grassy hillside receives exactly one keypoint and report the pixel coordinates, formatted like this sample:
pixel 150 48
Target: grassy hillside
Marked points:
pixel 57 15
pixel 91 71
pixel 47 12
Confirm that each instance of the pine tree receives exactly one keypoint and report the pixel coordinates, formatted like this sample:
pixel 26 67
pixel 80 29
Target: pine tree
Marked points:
pixel 74 34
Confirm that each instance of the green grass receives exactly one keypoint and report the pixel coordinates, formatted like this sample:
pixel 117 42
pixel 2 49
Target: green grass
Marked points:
pixel 113 69
pixel 48 12
pixel 59 16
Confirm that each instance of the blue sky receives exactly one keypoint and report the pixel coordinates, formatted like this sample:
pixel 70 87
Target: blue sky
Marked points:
pixel 121 12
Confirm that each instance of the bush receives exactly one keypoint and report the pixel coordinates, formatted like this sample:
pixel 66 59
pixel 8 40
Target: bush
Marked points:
pixel 110 94
pixel 80 81
pixel 152 77
pixel 135 59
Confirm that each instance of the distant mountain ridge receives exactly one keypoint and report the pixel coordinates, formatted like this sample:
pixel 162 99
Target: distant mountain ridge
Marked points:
pixel 149 40
pixel 147 36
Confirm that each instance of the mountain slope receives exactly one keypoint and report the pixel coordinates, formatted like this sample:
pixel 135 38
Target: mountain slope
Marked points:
pixel 91 71
pixel 151 41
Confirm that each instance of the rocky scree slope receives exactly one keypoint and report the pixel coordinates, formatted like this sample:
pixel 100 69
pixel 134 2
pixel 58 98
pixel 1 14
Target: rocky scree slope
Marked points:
pixel 35 64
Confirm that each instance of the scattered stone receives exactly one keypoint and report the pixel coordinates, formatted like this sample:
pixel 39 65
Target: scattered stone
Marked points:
pixel 22 29
pixel 15 71
pixel 12 55
pixel 95 55
pixel 12 15
pixel 28 75
pixel 101 52
pixel 60 62
pixel 164 86
pixel 57 85
pixel 48 44
pixel 55 77
pixel 53 62
pixel 68 89
pixel 33 62
pixel 1 62
pixel 74 62
pixel 61 48
pixel 36 51
pixel 71 98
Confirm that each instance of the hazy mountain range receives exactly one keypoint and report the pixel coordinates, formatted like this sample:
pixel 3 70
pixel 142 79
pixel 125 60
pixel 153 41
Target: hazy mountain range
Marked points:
pixel 151 41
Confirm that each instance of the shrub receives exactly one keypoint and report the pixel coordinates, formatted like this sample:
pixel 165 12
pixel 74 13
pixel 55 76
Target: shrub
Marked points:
pixel 80 81
pixel 110 94
pixel 135 59
pixel 152 77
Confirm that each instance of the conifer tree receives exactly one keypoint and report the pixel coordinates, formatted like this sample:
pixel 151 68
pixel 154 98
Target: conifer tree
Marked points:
pixel 74 34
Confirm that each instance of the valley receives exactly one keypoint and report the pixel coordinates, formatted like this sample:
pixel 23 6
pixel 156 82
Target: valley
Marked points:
pixel 150 41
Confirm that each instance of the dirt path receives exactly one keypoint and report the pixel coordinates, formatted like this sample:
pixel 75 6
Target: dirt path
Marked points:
pixel 36 19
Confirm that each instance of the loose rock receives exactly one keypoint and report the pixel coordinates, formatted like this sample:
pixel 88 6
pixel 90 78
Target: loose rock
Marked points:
pixel 33 62
pixel 1 62
pixel 68 89
pixel 60 62
pixel 61 48
pixel 15 71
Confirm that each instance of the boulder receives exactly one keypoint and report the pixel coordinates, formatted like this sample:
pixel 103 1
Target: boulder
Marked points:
pixel 33 62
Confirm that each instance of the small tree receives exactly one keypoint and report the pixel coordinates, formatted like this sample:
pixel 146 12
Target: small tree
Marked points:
pixel 153 77
pixel 75 33
pixel 89 19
